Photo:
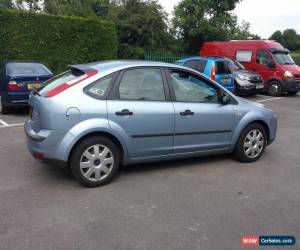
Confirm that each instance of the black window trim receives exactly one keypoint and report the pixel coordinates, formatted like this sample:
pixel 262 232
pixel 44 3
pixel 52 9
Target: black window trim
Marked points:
pixel 110 86
pixel 206 80
pixel 115 95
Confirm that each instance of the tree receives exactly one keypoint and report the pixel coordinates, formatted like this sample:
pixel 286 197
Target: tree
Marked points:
pixel 6 4
pixel 196 21
pixel 142 26
pixel 277 36
pixel 291 39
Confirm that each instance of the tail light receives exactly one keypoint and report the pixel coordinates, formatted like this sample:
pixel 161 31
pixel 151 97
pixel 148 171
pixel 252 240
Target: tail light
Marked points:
pixel 69 84
pixel 213 73
pixel 13 86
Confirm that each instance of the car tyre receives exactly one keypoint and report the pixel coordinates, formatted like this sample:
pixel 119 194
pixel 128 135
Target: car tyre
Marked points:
pixel 274 88
pixel 251 143
pixel 95 161
pixel 291 93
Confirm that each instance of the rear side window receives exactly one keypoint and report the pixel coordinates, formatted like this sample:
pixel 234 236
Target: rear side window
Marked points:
pixel 142 84
pixel 243 56
pixel 100 87
pixel 59 80
pixel 198 65
pixel 23 69
pixel 223 67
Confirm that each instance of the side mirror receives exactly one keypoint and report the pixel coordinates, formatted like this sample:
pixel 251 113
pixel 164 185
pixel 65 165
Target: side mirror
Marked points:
pixel 225 98
pixel 271 64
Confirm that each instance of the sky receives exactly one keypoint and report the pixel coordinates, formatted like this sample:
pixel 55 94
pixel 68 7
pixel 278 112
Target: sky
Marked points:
pixel 264 16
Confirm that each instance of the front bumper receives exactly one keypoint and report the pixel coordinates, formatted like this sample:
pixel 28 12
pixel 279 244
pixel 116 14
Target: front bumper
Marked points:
pixel 291 85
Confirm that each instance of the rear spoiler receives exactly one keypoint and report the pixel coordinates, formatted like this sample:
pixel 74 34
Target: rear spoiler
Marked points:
pixel 82 68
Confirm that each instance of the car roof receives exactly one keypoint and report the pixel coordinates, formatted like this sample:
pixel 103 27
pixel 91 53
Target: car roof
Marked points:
pixel 20 61
pixel 201 57
pixel 115 65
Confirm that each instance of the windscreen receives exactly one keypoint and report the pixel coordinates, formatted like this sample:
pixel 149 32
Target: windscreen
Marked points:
pixel 222 67
pixel 236 65
pixel 284 59
pixel 24 69
pixel 59 80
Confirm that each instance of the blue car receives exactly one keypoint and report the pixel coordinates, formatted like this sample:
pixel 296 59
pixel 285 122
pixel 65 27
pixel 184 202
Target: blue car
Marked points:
pixel 217 69
pixel 98 116
pixel 18 79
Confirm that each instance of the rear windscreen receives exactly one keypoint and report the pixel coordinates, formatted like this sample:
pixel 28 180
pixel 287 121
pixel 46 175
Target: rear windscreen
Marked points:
pixel 23 69
pixel 198 64
pixel 59 80
pixel 223 67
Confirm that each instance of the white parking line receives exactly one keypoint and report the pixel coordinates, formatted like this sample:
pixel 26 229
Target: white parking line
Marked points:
pixel 11 125
pixel 271 99
pixel 3 122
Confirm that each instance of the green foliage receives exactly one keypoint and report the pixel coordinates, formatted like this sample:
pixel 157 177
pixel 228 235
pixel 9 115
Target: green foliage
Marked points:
pixel 142 26
pixel 55 40
pixel 197 21
pixel 288 38
pixel 6 4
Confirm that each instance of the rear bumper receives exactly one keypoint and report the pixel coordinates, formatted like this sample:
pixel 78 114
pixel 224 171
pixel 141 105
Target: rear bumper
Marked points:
pixel 246 90
pixel 290 85
pixel 12 99
pixel 43 145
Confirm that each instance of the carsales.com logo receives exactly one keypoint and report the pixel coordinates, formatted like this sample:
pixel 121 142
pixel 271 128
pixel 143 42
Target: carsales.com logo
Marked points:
pixel 254 240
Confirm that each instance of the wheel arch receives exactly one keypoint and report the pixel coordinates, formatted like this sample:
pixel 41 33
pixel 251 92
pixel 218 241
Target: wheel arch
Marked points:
pixel 100 133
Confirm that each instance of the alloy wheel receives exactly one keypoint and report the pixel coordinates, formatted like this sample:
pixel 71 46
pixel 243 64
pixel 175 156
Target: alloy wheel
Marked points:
pixel 96 162
pixel 254 143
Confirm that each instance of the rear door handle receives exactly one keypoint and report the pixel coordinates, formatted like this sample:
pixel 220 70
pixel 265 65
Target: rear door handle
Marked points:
pixel 186 113
pixel 124 112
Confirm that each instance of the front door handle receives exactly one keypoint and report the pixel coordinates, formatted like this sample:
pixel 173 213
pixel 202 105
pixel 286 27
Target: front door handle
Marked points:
pixel 186 113
pixel 124 112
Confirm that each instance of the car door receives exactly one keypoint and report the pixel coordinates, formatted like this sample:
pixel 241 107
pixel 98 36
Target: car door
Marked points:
pixel 263 60
pixel 201 121
pixel 141 111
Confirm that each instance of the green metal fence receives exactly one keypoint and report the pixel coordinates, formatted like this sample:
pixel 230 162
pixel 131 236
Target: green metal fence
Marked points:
pixel 163 57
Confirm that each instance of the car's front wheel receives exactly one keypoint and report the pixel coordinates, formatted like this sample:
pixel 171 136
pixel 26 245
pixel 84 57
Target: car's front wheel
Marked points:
pixel 275 88
pixel 251 144
pixel 95 161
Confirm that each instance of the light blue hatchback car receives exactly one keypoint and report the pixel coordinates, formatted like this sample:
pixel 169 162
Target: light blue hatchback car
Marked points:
pixel 95 117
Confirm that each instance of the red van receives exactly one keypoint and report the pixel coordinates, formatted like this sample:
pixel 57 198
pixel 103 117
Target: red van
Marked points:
pixel 268 58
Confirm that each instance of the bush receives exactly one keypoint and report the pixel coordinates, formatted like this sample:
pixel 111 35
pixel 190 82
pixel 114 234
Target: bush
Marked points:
pixel 56 41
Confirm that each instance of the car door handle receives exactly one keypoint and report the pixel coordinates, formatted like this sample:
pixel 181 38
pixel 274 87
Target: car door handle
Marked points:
pixel 124 112
pixel 186 113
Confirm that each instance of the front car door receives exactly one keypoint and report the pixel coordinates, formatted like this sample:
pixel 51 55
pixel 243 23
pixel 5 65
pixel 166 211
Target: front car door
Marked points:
pixel 263 60
pixel 141 109
pixel 201 121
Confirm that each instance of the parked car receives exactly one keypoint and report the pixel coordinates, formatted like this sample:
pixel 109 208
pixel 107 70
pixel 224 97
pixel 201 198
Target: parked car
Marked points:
pixel 18 79
pixel 247 82
pixel 217 69
pixel 95 117
pixel 268 58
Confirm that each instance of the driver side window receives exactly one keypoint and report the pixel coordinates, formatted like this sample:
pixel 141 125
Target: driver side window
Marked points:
pixel 190 88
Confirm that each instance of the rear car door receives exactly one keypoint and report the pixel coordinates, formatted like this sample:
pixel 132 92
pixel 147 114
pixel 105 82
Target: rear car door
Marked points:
pixel 201 121
pixel 140 109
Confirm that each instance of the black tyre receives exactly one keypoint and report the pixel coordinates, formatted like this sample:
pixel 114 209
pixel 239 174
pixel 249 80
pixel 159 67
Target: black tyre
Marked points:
pixel 5 110
pixel 95 161
pixel 292 93
pixel 274 88
pixel 251 144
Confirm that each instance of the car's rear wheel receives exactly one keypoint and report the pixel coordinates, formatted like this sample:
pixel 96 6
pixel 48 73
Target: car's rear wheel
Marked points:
pixel 274 88
pixel 95 161
pixel 292 92
pixel 251 144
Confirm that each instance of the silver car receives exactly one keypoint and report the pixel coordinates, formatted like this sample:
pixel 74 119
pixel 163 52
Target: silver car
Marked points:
pixel 97 116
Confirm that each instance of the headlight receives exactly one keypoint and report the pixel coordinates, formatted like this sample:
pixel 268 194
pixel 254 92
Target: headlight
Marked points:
pixel 243 77
pixel 288 74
